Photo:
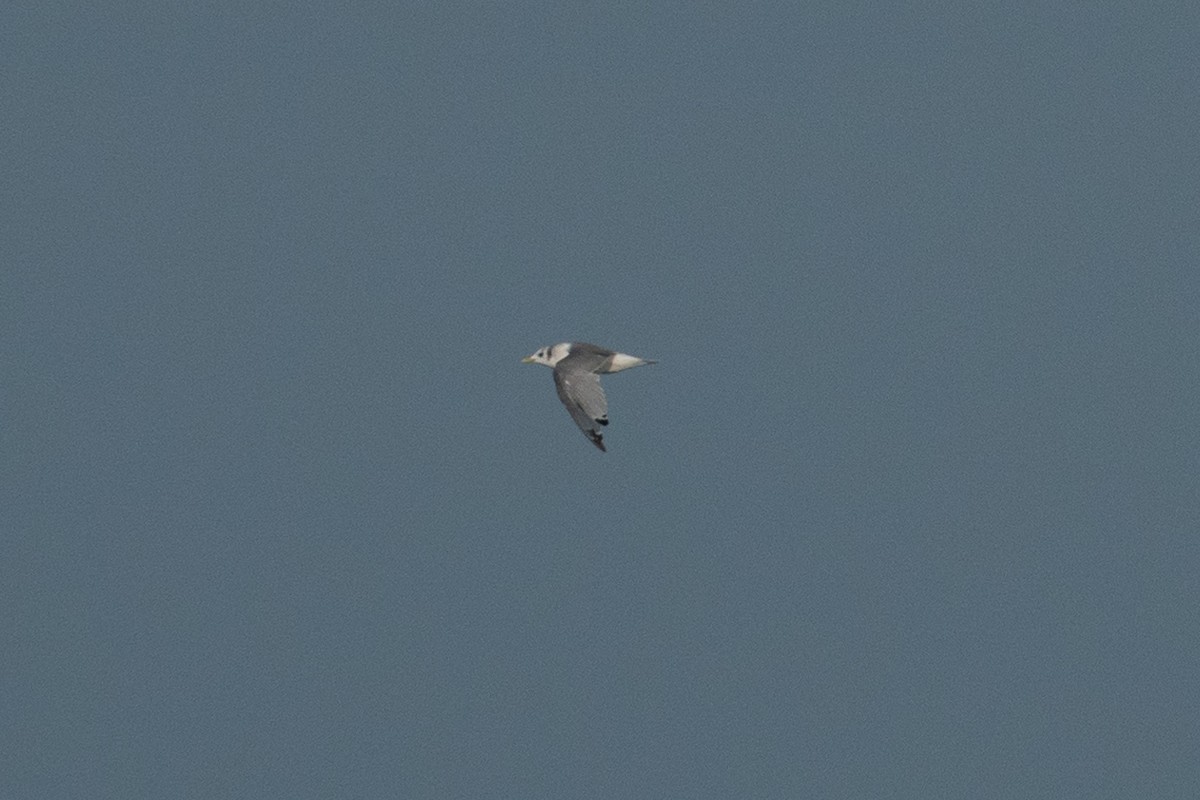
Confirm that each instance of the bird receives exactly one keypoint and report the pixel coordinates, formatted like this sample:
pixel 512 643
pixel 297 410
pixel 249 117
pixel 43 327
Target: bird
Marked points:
pixel 577 369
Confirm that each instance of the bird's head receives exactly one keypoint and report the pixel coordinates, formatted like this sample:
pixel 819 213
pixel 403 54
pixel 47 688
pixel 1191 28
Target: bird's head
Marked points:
pixel 548 355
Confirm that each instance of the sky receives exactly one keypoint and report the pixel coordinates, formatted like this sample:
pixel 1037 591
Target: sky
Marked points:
pixel 908 507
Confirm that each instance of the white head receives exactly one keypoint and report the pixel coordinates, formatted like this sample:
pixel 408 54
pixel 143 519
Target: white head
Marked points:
pixel 549 355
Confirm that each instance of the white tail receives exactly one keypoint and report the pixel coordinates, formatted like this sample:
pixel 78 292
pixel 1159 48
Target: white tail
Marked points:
pixel 622 361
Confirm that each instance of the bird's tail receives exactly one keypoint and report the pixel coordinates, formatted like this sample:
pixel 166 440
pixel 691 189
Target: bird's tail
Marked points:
pixel 622 361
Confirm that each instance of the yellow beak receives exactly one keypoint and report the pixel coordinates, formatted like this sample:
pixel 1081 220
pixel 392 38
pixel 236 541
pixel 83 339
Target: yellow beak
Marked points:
pixel 527 360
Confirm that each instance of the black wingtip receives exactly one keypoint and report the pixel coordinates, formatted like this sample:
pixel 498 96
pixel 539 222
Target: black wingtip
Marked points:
pixel 602 420
pixel 595 438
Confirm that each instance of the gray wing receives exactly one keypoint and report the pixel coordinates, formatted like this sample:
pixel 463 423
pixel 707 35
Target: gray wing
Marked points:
pixel 586 357
pixel 579 390
pixel 586 351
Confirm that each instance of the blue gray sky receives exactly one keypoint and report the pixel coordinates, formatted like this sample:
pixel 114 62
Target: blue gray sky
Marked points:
pixel 907 509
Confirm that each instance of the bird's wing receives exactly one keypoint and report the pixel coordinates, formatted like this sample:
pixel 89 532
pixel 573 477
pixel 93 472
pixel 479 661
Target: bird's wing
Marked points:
pixel 586 351
pixel 579 390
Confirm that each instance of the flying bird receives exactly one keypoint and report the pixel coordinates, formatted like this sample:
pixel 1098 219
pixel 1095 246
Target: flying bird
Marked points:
pixel 577 370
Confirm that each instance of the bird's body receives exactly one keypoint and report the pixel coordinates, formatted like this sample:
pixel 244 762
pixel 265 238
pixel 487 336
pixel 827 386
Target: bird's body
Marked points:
pixel 577 369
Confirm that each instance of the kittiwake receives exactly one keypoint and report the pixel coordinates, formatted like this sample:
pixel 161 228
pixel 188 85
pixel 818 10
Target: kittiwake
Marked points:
pixel 577 370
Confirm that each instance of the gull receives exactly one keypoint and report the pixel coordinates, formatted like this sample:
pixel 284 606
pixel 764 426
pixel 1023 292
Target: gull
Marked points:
pixel 577 370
